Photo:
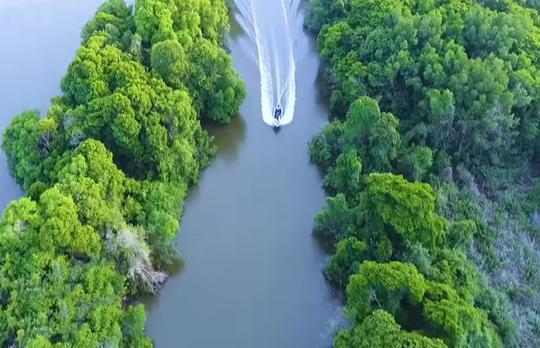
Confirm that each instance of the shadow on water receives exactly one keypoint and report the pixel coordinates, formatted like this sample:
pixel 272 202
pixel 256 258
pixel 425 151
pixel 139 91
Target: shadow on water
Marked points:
pixel 229 137
pixel 236 29
pixel 323 92
pixel 276 130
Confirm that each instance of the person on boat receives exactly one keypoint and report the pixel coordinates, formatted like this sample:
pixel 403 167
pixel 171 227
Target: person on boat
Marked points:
pixel 277 112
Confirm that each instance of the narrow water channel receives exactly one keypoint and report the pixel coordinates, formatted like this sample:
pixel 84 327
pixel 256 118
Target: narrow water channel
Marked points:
pixel 251 272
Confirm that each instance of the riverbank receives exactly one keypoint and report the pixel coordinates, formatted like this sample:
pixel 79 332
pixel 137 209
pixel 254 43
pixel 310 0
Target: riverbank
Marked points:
pixel 251 272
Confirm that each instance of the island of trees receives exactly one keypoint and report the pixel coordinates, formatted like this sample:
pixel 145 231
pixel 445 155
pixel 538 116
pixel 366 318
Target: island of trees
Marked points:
pixel 105 172
pixel 430 164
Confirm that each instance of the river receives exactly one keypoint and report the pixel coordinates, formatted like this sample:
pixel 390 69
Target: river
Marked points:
pixel 250 274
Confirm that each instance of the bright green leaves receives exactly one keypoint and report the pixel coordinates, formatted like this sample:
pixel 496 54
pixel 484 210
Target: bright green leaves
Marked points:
pixel 90 176
pixel 186 52
pixel 464 70
pixel 57 280
pixel 114 20
pixel 154 20
pixel 19 217
pixel 383 286
pixel 392 213
pixel 345 176
pixel 464 324
pixel 163 204
pixel 27 143
pixel 380 330
pixel 86 78
pixel 136 115
pixel 73 304
pixel 170 61
pixel 106 172
pixel 61 229
pixel 183 20
pixel 373 134
pixel 409 208
pixel 125 126
pixel 148 126
pixel 214 19
pixel 350 253
pixel 55 221
pixel 367 131
pixel 336 221
pixel 333 40
pixel 52 285
pixel 216 88
pixel 91 159
pixel 399 289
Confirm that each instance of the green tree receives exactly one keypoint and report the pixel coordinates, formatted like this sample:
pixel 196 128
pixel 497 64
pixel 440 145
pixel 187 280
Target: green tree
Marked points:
pixel 114 19
pixel 461 78
pixel 408 208
pixel 31 145
pixel 170 61
pixel 372 133
pixel 216 88
pixel 335 222
pixel 416 162
pixel 379 330
pixel 350 253
pixel 154 20
pixel 399 289
pixel 345 176
pixel 465 71
pixel 326 147
pixel 385 286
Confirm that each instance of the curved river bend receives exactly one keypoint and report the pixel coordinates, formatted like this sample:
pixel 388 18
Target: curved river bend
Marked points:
pixel 250 274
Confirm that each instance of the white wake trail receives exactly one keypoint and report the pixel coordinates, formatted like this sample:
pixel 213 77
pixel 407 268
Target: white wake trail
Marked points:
pixel 291 80
pixel 277 77
pixel 267 93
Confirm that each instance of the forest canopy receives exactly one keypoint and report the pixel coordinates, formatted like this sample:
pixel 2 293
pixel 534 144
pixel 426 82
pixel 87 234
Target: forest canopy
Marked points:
pixel 461 76
pixel 105 172
pixel 430 162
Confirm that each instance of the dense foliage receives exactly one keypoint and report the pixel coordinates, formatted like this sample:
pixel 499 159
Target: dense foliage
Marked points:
pixel 461 75
pixel 396 253
pixel 430 164
pixel 106 170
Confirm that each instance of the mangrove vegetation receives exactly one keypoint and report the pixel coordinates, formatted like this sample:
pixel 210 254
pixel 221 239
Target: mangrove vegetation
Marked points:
pixel 105 172
pixel 430 163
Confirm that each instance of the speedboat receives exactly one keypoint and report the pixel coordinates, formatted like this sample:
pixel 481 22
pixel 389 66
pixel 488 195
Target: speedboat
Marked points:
pixel 278 112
